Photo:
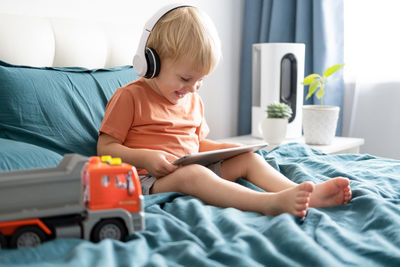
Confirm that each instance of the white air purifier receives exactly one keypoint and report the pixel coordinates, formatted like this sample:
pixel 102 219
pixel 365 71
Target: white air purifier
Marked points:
pixel 278 70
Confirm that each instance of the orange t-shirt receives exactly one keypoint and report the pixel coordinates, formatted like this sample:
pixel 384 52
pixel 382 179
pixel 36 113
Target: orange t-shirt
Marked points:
pixel 141 118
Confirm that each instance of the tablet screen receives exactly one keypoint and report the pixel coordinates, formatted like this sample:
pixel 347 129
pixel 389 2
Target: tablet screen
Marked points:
pixel 209 157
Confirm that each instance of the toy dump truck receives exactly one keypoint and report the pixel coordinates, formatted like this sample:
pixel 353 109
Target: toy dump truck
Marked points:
pixel 92 198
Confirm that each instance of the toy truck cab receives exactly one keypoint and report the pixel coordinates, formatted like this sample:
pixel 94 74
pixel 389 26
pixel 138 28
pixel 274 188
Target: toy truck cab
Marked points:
pixel 108 184
pixel 113 198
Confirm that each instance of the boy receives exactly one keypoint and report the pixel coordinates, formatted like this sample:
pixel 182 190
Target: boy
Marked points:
pixel 152 122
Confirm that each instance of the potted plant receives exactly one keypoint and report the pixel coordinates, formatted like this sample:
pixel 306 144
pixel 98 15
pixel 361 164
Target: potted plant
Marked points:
pixel 274 126
pixel 319 121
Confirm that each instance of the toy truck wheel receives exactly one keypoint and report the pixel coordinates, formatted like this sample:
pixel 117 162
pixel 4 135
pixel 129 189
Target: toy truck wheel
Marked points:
pixel 3 241
pixel 109 228
pixel 27 236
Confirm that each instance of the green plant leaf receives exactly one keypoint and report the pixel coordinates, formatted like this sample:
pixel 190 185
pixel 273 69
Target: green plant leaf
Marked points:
pixel 331 70
pixel 278 110
pixel 314 86
pixel 320 93
pixel 310 78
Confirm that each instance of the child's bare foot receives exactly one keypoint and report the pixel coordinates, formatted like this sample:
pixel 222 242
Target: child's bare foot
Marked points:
pixel 333 192
pixel 293 200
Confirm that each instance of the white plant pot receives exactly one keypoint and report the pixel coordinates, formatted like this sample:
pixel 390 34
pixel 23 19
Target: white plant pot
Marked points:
pixel 274 130
pixel 319 124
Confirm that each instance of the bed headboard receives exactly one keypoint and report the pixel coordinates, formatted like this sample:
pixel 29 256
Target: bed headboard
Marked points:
pixel 41 41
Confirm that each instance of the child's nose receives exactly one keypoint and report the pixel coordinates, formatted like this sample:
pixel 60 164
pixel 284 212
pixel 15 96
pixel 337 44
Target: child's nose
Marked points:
pixel 193 88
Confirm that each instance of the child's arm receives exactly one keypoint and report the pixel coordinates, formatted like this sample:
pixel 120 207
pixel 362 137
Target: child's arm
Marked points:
pixel 156 162
pixel 208 145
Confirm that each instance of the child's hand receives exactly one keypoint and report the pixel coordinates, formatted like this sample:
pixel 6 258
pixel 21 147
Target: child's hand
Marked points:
pixel 159 163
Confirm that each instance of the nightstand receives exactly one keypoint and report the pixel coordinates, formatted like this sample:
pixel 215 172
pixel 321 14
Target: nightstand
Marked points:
pixel 339 145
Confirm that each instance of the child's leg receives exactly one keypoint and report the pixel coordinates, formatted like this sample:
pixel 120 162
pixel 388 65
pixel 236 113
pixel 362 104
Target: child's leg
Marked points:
pixel 201 182
pixel 254 168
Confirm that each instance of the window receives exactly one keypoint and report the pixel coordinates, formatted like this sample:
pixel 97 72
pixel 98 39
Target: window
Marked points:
pixel 372 42
pixel 105 180
pixel 120 181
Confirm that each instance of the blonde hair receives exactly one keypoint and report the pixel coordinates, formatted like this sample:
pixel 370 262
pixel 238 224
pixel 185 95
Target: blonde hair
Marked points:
pixel 186 31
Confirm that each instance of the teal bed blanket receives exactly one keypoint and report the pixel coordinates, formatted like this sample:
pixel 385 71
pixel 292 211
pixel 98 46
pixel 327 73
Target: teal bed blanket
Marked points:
pixel 183 231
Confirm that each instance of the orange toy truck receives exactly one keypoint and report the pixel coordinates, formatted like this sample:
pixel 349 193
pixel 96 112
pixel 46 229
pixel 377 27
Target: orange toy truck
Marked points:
pixel 92 198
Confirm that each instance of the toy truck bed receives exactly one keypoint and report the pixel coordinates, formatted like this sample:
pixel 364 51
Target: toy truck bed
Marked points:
pixel 43 192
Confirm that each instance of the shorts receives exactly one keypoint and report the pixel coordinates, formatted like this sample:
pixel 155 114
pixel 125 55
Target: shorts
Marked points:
pixel 147 180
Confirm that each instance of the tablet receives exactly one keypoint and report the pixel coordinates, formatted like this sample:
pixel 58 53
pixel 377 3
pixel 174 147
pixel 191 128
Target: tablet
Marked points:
pixel 209 157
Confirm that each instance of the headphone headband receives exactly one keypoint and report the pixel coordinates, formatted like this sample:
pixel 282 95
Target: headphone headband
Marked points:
pixel 140 64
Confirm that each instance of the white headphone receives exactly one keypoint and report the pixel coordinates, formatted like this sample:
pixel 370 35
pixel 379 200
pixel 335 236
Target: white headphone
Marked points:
pixel 146 62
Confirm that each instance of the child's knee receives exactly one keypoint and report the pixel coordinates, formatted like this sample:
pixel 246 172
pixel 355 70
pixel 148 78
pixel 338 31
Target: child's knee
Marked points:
pixel 191 175
pixel 251 156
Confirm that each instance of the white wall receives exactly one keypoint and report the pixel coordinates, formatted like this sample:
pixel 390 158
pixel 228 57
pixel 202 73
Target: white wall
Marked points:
pixel 371 111
pixel 220 90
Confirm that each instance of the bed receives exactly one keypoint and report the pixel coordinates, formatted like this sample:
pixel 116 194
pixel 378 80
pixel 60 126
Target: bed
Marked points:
pixel 53 104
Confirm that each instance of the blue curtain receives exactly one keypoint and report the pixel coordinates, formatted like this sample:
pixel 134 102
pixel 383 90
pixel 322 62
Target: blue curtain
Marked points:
pixel 316 23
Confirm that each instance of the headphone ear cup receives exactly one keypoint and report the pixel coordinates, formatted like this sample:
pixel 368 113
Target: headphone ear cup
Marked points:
pixel 153 63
